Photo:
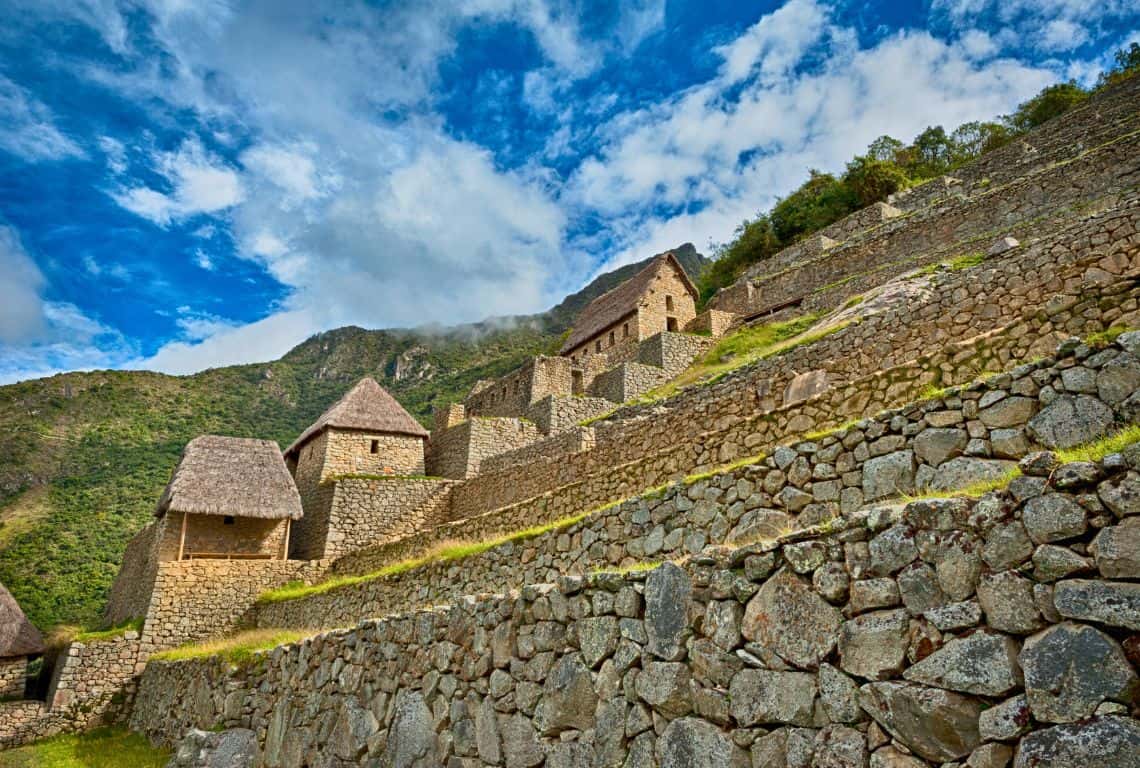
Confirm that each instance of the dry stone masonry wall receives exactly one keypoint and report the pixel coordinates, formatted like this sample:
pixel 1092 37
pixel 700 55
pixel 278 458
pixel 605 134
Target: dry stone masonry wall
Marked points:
pixel 947 443
pixel 377 510
pixel 946 632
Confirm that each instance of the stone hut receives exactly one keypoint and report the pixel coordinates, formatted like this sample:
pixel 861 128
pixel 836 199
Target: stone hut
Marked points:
pixel 660 297
pixel 366 432
pixel 19 640
pixel 229 498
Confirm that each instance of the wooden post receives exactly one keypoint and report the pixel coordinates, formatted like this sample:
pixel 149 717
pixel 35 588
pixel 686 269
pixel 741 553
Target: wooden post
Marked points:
pixel 288 527
pixel 182 539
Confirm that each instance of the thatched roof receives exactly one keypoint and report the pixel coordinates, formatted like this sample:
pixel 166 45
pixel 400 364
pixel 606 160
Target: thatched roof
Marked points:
pixel 236 476
pixel 613 305
pixel 18 636
pixel 367 407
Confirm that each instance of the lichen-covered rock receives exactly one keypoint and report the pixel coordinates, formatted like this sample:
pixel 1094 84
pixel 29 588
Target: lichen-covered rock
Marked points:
pixel 1005 721
pixel 1008 412
pixel 1069 421
pixel 838 695
pixel 1053 517
pixel 873 646
pixel 762 696
pixel 1103 742
pixel 411 737
pixel 1070 669
pixel 788 617
pixel 668 591
pixel 568 698
pixel 984 663
pixel 1117 550
pixel 1114 603
pixel 1121 494
pixel 690 742
pixel 937 444
pixel 665 686
pixel 1051 562
pixel 888 475
pixel 965 471
pixel 892 550
pixel 837 746
pixel 235 748
pixel 936 724
pixel 1007 599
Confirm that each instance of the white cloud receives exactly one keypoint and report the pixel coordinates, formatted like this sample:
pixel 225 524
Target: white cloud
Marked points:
pixel 115 153
pixel 40 337
pixel 200 183
pixel 27 127
pixel 203 260
pixel 21 306
pixel 1047 25
pixel 685 151
pixel 774 44
pixel 263 340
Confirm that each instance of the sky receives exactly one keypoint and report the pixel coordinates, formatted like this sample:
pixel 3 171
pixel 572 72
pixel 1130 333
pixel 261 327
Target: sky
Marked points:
pixel 186 184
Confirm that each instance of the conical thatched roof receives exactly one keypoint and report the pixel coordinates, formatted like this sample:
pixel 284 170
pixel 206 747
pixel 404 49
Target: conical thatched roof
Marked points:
pixel 18 636
pixel 367 407
pixel 236 476
pixel 615 304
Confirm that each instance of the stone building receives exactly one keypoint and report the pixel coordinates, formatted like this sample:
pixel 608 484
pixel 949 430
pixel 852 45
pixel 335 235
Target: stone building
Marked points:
pixel 19 640
pixel 659 298
pixel 366 433
pixel 229 498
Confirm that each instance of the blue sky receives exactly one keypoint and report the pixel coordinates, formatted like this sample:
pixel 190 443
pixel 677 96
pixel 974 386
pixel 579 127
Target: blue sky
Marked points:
pixel 192 183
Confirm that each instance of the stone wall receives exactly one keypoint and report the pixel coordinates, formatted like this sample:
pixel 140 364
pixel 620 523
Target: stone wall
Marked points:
pixel 561 444
pixel 672 352
pixel 211 535
pixel 512 394
pixel 130 591
pixel 626 381
pixel 458 453
pixel 13 677
pixel 198 599
pixel 953 227
pixel 93 684
pixel 307 536
pixel 713 322
pixel 949 442
pixel 351 452
pixel 946 630
pixel 370 511
pixel 556 414
pixel 1013 307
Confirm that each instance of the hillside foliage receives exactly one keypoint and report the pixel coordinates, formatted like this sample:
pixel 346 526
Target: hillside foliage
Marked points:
pixel 888 166
pixel 84 456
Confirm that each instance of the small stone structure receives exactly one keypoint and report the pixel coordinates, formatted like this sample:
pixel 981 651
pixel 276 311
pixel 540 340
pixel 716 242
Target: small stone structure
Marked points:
pixel 367 433
pixel 19 640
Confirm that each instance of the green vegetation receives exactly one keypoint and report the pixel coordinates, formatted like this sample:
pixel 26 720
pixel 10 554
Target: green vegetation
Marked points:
pixel 443 552
pixel 237 649
pixel 639 567
pixel 721 469
pixel 1095 451
pixel 812 437
pixel 134 625
pixel 888 166
pixel 972 491
pixel 101 748
pixel 84 456
pixel 1102 339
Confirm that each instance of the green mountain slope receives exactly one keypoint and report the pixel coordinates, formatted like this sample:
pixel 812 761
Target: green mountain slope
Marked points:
pixel 84 456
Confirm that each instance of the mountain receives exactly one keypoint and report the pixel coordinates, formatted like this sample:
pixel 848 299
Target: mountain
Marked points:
pixel 84 456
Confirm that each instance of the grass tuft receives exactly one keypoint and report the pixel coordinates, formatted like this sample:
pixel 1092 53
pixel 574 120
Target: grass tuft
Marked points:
pixel 442 552
pixel 133 625
pixel 721 469
pixel 1102 339
pixel 100 748
pixel 1095 451
pixel 641 567
pixel 236 649
pixel 971 491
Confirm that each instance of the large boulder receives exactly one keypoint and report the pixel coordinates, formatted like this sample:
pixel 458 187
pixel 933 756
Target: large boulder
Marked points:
pixel 938 725
pixel 937 444
pixel 984 663
pixel 1008 412
pixel 235 748
pixel 411 738
pixel 873 646
pixel 888 475
pixel 1070 669
pixel 690 742
pixel 1053 517
pixel 1117 550
pixel 668 591
pixel 965 471
pixel 1103 742
pixel 789 618
pixel 568 698
pixel 1069 421
pixel 665 686
pixel 761 696
pixel 1114 603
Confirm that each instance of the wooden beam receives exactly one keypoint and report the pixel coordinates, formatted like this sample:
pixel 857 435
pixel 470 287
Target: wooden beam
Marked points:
pixel 288 527
pixel 182 539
